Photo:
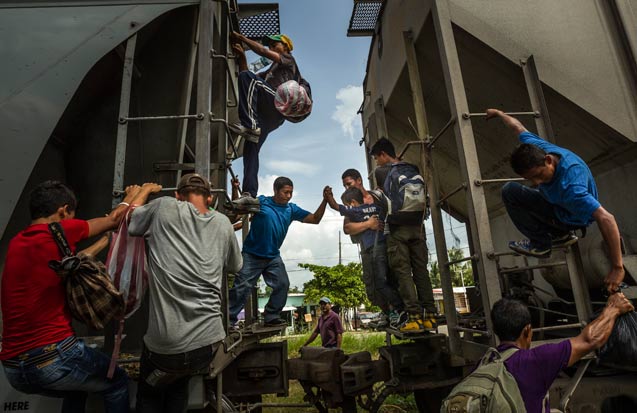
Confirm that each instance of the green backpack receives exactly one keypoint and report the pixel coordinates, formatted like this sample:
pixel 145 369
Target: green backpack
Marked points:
pixel 490 388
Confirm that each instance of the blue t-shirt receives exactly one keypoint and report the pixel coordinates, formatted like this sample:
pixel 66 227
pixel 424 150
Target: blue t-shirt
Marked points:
pixel 535 370
pixel 270 226
pixel 572 190
pixel 362 213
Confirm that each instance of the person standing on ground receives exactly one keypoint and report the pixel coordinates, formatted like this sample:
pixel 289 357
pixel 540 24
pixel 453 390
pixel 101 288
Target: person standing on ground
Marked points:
pixel 329 326
pixel 40 352
pixel 406 245
pixel 565 199
pixel 261 251
pixel 257 114
pixel 190 248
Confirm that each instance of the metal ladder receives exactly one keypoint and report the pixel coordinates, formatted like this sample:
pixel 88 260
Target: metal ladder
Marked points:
pixel 211 108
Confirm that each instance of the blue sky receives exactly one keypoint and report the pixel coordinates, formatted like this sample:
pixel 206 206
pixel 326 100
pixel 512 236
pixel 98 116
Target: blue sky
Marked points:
pixel 315 152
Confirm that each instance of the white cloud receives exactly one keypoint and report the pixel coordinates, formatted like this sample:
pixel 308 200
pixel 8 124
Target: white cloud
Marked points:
pixel 292 167
pixel 345 114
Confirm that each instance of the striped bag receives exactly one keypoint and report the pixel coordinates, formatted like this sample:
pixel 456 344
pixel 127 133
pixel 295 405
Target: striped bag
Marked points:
pixel 128 268
pixel 90 294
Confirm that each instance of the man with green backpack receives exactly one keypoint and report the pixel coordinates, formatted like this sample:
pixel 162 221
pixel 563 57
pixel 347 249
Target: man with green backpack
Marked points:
pixel 515 377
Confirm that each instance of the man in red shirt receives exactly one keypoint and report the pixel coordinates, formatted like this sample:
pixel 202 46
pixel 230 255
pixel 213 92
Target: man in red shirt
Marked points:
pixel 40 353
pixel 329 326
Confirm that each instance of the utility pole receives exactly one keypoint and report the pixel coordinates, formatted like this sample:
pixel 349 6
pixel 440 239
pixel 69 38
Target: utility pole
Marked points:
pixel 339 248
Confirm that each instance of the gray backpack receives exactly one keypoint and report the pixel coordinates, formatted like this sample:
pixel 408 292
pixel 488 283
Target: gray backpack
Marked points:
pixel 490 388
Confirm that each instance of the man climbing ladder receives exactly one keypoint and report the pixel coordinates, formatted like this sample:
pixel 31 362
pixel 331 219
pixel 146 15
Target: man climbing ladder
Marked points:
pixel 565 200
pixel 257 111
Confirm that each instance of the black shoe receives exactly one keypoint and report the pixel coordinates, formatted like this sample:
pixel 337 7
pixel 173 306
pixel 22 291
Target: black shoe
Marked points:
pixel 249 134
pixel 564 241
pixel 277 322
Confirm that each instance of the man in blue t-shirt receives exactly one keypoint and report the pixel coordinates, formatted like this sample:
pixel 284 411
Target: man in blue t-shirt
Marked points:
pixel 565 199
pixel 535 369
pixel 261 250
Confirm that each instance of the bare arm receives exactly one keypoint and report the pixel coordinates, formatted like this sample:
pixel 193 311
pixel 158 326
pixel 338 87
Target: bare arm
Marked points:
pixel 608 227
pixel 339 340
pixel 311 338
pixel 111 221
pixel 355 228
pixel 257 47
pixel 329 197
pixel 596 333
pixel 97 246
pixel 317 216
pixel 509 121
pixel 240 55
pixel 134 196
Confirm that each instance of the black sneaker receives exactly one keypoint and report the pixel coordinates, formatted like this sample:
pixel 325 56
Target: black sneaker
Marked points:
pixel 524 247
pixel 564 241
pixel 249 134
pixel 277 322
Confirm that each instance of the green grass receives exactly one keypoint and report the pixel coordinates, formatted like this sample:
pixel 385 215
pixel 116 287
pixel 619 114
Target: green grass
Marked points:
pixel 353 342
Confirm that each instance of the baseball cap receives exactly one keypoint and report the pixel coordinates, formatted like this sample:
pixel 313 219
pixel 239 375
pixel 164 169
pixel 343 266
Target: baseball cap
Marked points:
pixel 278 38
pixel 193 181
pixel 325 300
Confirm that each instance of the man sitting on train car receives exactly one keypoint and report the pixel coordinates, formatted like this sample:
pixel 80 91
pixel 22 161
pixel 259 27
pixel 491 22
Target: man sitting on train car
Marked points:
pixel 565 199
pixel 261 253
pixel 535 369
pixel 190 248
pixel 257 112
pixel 40 352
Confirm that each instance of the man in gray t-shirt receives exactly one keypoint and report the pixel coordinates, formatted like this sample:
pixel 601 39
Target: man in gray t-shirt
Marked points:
pixel 190 248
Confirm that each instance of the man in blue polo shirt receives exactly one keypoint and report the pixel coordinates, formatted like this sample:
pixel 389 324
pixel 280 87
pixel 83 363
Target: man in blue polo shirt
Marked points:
pixel 565 199
pixel 261 253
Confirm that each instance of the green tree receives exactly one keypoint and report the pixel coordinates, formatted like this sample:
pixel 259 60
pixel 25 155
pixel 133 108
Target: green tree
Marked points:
pixel 434 274
pixel 343 284
pixel 459 272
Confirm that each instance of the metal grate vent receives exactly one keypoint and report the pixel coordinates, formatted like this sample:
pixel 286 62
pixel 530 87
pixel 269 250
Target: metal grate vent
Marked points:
pixel 259 25
pixel 364 17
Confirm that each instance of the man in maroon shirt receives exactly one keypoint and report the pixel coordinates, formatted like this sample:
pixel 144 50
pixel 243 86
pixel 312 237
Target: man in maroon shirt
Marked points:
pixel 329 326
pixel 535 369
pixel 40 353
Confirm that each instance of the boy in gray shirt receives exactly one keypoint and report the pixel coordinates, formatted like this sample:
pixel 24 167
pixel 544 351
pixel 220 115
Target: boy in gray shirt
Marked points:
pixel 189 249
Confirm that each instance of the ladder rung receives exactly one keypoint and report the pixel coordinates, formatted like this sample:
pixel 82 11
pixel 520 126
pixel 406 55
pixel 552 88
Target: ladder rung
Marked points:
pixel 466 115
pixel 198 116
pixel 533 267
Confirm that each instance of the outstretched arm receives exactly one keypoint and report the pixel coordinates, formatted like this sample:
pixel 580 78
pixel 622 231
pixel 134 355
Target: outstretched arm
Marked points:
pixel 596 333
pixel 311 338
pixel 256 47
pixel 111 221
pixel 329 197
pixel 608 227
pixel 509 121
pixel 317 216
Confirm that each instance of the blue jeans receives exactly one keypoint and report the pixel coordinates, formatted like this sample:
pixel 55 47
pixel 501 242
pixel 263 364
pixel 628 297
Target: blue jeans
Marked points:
pixel 375 272
pixel 533 215
pixel 74 373
pixel 164 378
pixel 256 110
pixel 275 277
